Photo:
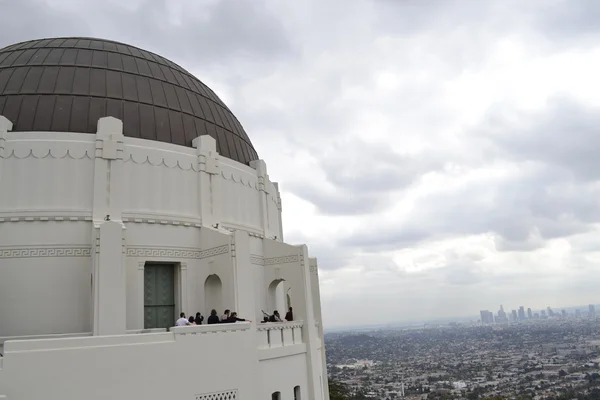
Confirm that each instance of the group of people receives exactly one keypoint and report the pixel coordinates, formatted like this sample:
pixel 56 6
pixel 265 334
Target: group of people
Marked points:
pixel 275 317
pixel 229 317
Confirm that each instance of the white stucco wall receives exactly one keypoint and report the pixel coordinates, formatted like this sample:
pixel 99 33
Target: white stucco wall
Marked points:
pixel 65 271
pixel 47 201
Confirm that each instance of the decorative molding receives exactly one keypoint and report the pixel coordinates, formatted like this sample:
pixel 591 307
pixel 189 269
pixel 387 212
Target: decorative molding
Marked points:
pixel 226 395
pixel 148 218
pixel 232 227
pixel 174 252
pixel 35 252
pixel 45 152
pixel 258 260
pixel 251 182
pixel 281 260
pixel 269 326
pixel 187 164
pixel 7 217
pixel 232 243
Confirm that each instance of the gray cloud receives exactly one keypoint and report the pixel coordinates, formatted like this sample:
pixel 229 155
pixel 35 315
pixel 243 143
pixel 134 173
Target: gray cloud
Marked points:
pixel 361 176
pixel 571 24
pixel 555 199
pixel 207 32
pixel 566 134
pixel 34 19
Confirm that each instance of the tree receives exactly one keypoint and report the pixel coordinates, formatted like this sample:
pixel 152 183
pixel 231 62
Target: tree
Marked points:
pixel 338 391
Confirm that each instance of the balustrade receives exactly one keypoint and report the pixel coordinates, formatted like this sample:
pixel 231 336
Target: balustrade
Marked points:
pixel 279 334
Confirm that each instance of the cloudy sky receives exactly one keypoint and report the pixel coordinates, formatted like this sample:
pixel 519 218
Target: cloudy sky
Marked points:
pixel 438 156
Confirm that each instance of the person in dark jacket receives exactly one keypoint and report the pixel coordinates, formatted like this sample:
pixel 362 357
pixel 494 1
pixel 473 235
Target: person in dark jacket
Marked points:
pixel 214 318
pixel 234 318
pixel 289 316
pixel 199 318
pixel 275 317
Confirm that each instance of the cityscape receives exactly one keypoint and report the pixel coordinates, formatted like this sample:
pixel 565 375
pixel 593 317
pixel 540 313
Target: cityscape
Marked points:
pixel 487 317
pixel 518 355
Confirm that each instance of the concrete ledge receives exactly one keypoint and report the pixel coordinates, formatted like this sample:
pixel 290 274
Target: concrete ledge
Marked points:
pixel 213 328
pixel 37 337
pixel 17 346
pixel 278 352
pixel 140 331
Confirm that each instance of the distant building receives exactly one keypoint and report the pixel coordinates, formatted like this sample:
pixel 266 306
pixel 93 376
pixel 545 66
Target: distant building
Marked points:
pixel 487 317
pixel 501 318
pixel 550 312
pixel 514 315
pixel 578 313
pixel 592 311
pixel 564 314
pixel 521 313
pixel 529 313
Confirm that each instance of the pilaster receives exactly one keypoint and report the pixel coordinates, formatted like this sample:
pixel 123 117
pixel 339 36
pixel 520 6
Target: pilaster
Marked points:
pixel 316 297
pixel 209 185
pixel 244 280
pixel 263 178
pixel 5 127
pixel 140 293
pixel 183 281
pixel 109 291
pixel 242 275
pixel 108 274
pixel 309 331
pixel 108 170
pixel 279 212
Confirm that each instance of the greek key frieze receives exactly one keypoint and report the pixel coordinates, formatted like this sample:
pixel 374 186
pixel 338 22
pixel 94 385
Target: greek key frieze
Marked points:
pixel 257 260
pixel 34 252
pixel 281 260
pixel 157 252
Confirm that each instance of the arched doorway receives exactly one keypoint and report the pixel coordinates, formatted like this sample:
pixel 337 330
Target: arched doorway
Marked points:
pixel 213 294
pixel 288 298
pixel 276 297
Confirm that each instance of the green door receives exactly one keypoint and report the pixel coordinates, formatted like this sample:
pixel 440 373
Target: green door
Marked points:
pixel 159 296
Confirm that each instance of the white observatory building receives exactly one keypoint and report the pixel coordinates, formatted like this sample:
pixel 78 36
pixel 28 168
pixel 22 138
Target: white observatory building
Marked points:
pixel 130 193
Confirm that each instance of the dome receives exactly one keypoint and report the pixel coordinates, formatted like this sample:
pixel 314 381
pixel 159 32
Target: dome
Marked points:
pixel 67 84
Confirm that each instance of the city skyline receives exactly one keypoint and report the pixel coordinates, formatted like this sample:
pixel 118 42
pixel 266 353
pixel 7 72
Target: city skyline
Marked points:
pixel 520 314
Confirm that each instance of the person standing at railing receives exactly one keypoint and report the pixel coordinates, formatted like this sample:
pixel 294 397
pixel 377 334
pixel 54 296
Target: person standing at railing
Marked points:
pixel 214 318
pixel 289 316
pixel 225 316
pixel 182 321
pixel 199 318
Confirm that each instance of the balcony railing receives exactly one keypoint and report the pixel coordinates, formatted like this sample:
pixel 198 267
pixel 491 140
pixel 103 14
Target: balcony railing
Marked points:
pixel 207 329
pixel 279 334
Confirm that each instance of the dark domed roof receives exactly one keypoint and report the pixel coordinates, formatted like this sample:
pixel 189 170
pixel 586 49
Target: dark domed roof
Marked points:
pixel 67 84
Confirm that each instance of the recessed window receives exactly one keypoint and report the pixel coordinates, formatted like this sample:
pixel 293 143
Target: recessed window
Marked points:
pixel 276 396
pixel 297 395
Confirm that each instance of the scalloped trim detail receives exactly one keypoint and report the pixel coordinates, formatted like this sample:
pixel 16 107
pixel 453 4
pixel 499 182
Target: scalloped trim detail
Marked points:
pixel 56 153
pixel 157 161
pixel 230 176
